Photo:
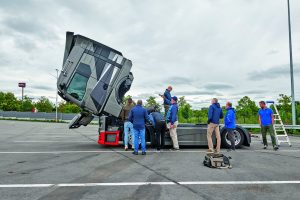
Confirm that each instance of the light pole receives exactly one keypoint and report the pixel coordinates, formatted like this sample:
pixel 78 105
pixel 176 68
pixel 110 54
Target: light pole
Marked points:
pixel 56 96
pixel 291 67
pixel 22 85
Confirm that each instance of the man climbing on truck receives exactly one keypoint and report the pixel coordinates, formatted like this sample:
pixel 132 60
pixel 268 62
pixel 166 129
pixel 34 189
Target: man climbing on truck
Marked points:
pixel 167 99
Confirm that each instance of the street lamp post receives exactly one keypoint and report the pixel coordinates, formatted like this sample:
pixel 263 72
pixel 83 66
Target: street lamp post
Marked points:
pixel 56 96
pixel 291 67
pixel 22 85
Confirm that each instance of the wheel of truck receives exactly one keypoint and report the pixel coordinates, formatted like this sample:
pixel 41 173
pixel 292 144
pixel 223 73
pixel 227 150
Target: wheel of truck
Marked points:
pixel 239 139
pixel 150 137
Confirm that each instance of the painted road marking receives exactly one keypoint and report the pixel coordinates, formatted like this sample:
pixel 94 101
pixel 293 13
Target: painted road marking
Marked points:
pixel 150 151
pixel 149 183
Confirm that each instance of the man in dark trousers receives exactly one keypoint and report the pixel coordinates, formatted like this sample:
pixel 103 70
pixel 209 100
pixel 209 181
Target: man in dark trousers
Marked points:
pixel 230 126
pixel 214 115
pixel 167 99
pixel 138 116
pixel 159 124
pixel 266 122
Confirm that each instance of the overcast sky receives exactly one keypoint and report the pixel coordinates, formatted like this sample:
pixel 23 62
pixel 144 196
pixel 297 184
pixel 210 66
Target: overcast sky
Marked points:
pixel 203 48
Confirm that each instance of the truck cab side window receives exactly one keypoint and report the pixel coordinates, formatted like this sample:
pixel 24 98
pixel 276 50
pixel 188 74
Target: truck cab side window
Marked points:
pixel 78 84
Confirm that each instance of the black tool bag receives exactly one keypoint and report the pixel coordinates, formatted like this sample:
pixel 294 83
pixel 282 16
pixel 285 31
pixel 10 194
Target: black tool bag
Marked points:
pixel 219 161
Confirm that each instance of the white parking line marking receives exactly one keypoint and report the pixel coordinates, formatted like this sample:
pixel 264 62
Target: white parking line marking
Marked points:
pixel 150 151
pixel 149 183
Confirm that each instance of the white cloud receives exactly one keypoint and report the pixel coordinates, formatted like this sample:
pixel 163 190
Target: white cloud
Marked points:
pixel 203 48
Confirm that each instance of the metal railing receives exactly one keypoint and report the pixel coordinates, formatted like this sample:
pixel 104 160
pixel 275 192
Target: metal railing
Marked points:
pixel 69 116
pixel 258 126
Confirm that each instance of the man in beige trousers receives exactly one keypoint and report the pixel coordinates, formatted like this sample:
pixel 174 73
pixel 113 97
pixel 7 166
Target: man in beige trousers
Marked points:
pixel 172 122
pixel 214 115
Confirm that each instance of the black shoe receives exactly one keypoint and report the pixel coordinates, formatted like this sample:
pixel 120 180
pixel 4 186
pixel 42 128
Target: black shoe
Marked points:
pixel 265 146
pixel 143 153
pixel 135 153
pixel 275 148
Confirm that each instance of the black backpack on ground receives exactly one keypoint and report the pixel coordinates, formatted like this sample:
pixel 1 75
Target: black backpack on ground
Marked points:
pixel 219 161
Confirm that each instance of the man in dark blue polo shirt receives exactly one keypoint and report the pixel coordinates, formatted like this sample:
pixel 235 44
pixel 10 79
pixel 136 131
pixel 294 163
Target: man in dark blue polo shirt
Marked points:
pixel 138 116
pixel 167 99
pixel 266 121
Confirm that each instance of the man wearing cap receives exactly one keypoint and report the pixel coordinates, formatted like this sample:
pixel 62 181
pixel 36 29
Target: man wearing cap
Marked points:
pixel 128 127
pixel 167 99
pixel 172 122
pixel 138 116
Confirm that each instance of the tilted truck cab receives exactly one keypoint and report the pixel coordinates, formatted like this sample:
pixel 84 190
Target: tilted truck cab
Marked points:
pixel 95 77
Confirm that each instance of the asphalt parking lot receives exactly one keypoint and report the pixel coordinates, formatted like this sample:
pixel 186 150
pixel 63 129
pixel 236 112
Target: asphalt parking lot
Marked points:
pixel 48 161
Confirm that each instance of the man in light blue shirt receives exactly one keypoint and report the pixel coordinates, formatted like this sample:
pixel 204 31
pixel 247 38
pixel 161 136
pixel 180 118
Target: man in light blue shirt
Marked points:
pixel 266 121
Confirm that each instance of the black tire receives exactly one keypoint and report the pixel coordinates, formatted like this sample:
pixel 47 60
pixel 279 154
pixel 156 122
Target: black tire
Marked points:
pixel 240 137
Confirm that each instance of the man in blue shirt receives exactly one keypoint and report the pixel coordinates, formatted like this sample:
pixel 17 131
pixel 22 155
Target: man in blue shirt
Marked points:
pixel 230 126
pixel 172 122
pixel 266 122
pixel 215 113
pixel 167 99
pixel 138 116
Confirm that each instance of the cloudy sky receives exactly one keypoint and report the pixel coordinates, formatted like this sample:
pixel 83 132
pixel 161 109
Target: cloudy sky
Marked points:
pixel 203 48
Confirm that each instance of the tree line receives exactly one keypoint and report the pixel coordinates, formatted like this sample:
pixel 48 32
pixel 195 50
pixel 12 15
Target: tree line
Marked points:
pixel 246 108
pixel 9 102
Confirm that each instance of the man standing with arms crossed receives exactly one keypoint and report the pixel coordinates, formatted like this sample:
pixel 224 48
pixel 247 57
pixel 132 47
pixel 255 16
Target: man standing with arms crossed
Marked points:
pixel 172 122
pixel 138 116
pixel 266 122
pixel 214 115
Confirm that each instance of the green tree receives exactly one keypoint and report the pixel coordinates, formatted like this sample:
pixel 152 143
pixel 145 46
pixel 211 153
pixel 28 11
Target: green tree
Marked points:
pixel 185 112
pixel 67 107
pixel 9 102
pixel 298 111
pixel 247 109
pixel 27 104
pixel 285 108
pixel 151 103
pixel 44 105
pixel 126 98
pixel 181 101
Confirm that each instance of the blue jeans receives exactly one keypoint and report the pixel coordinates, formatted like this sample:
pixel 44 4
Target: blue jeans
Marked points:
pixel 139 133
pixel 128 129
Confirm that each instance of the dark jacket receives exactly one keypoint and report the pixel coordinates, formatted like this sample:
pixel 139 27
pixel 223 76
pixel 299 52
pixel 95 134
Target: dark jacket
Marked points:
pixel 172 114
pixel 126 110
pixel 215 113
pixel 138 116
pixel 157 118
pixel 167 97
pixel 230 118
